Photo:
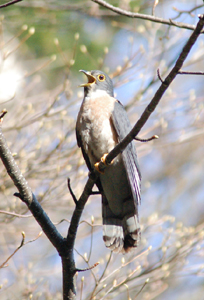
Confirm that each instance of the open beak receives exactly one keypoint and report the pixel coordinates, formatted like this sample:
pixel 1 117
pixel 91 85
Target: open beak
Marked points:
pixel 91 78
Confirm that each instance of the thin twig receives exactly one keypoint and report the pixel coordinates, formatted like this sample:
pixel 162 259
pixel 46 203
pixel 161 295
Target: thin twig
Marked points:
pixel 142 16
pixel 10 3
pixel 180 12
pixel 102 275
pixel 146 281
pixel 95 193
pixel 21 245
pixel 91 241
pixel 82 285
pixel 159 76
pixel 71 191
pixel 4 111
pixel 154 6
pixel 190 73
pixel 71 236
pixel 89 268
pixel 14 214
pixel 146 140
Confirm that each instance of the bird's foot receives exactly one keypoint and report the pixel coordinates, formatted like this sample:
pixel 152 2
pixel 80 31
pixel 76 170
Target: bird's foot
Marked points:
pixel 103 159
pixel 96 165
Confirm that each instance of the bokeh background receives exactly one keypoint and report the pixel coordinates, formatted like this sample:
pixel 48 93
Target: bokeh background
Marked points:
pixel 43 44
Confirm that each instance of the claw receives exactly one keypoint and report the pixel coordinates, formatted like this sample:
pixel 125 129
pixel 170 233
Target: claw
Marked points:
pixel 103 159
pixel 96 165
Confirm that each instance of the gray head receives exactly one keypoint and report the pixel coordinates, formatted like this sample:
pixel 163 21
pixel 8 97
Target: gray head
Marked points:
pixel 97 80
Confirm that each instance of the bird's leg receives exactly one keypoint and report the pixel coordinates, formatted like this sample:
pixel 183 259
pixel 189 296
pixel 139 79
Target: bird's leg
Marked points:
pixel 103 160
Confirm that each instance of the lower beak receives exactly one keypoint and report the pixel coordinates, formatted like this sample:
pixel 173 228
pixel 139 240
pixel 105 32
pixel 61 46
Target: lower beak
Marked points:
pixel 91 78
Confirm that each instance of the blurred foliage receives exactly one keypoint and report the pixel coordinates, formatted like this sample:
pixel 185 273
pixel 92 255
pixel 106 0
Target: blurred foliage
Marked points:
pixel 43 44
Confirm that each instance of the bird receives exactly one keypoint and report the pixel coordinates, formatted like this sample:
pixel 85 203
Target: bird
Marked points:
pixel 102 123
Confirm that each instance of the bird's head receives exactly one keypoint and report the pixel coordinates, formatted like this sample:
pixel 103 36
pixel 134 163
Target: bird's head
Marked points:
pixel 97 80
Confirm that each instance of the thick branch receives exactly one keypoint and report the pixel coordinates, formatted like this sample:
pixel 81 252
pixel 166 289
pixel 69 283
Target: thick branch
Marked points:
pixel 25 194
pixel 79 209
pixel 157 97
pixel 144 17
pixel 10 3
pixel 68 263
pixel 13 170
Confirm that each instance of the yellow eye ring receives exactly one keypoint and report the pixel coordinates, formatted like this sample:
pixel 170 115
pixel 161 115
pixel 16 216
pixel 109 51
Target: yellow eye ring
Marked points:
pixel 101 77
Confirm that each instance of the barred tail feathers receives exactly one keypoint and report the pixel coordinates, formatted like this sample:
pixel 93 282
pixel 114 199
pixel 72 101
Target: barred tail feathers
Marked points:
pixel 120 233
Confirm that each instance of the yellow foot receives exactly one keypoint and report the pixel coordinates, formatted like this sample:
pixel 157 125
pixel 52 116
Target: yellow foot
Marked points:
pixel 103 159
pixel 96 165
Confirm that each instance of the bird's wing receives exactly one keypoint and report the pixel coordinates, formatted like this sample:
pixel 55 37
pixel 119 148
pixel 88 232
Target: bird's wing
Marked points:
pixel 122 126
pixel 86 158
pixel 80 144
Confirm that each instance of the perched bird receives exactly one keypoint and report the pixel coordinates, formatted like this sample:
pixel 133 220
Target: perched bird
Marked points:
pixel 101 124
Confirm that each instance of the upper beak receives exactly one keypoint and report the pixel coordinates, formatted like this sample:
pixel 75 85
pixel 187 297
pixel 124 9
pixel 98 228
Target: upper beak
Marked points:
pixel 91 78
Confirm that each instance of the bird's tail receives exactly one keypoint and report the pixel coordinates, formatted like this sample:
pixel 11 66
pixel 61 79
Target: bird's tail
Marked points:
pixel 120 233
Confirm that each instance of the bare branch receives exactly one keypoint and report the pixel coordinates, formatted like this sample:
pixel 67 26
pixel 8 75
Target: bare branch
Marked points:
pixel 156 2
pixel 146 140
pixel 14 214
pixel 95 193
pixel 144 17
pixel 146 281
pixel 87 269
pixel 13 170
pixel 190 73
pixel 10 3
pixel 71 191
pixel 158 95
pixel 79 208
pixel 21 245
pixel 26 195
pixel 180 12
pixel 159 76
pixel 4 111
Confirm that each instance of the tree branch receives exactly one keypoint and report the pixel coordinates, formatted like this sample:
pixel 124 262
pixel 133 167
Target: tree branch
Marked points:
pixel 190 73
pixel 65 246
pixel 130 14
pixel 21 245
pixel 13 170
pixel 26 195
pixel 70 190
pixel 71 236
pixel 158 95
pixel 180 12
pixel 133 133
pixel 10 3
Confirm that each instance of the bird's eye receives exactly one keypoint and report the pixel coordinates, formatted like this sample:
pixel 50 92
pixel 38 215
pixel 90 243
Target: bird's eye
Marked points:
pixel 101 77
